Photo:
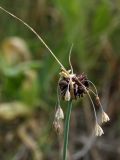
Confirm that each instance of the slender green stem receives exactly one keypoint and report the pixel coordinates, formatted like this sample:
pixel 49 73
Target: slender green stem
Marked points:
pixel 66 129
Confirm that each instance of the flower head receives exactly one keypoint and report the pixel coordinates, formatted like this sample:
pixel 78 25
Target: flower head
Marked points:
pixel 98 130
pixel 75 83
pixel 105 117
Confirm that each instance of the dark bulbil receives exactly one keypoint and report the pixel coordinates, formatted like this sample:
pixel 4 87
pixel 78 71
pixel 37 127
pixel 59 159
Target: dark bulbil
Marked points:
pixel 76 89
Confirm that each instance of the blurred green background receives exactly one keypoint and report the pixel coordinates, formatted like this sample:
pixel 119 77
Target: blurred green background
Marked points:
pixel 29 75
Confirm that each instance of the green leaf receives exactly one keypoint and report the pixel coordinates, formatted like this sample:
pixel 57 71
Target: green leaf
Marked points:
pixel 102 19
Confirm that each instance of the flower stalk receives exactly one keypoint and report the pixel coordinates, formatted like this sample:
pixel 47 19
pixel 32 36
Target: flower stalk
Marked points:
pixel 66 129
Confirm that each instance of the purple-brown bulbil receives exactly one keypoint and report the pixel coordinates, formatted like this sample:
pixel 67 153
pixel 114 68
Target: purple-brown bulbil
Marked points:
pixel 75 87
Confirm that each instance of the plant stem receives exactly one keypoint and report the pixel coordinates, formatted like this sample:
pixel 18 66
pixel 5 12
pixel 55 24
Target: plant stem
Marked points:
pixel 66 129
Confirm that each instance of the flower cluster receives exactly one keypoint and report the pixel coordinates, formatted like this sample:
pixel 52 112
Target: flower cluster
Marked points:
pixel 72 87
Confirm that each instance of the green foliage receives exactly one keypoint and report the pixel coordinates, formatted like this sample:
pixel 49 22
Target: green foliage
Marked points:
pixel 102 19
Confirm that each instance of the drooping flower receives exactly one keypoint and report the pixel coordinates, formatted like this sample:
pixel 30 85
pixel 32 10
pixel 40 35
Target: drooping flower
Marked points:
pixel 57 123
pixel 98 130
pixel 105 117
pixel 59 113
pixel 67 95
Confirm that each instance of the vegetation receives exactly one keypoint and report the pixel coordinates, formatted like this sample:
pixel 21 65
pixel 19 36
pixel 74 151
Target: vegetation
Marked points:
pixel 29 75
